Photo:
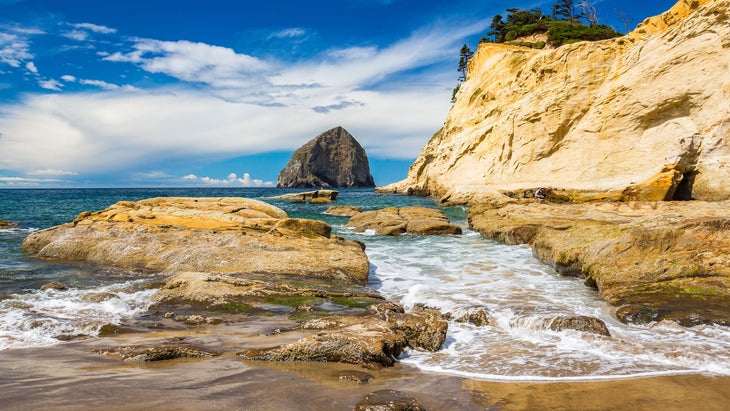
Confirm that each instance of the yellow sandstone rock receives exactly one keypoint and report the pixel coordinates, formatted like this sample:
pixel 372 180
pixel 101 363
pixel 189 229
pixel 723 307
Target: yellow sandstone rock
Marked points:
pixel 642 117
pixel 212 235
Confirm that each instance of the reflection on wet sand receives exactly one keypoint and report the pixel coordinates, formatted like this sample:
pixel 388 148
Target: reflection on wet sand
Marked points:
pixel 72 376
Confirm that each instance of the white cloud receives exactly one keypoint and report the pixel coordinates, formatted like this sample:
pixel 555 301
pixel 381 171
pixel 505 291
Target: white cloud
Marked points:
pixel 289 33
pixel 30 66
pixel 122 129
pixel 51 84
pixel 78 35
pixel 14 49
pixel 26 182
pixel 231 181
pixel 230 75
pixel 95 28
pixel 99 83
pixel 50 172
pixel 68 78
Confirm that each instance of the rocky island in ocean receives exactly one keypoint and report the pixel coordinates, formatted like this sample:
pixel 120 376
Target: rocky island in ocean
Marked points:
pixel 332 159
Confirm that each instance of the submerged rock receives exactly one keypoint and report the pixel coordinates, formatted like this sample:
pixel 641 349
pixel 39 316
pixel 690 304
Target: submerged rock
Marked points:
pixel 654 260
pixel 388 400
pixel 580 323
pixel 55 285
pixel 170 350
pixel 407 220
pixel 332 159
pixel 476 317
pixel 358 377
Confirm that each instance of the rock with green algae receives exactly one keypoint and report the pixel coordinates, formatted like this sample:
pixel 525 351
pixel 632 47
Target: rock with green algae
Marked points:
pixel 653 260
pixel 372 340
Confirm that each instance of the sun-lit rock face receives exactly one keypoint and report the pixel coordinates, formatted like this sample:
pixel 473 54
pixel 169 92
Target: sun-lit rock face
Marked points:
pixel 641 117
pixel 332 159
pixel 212 235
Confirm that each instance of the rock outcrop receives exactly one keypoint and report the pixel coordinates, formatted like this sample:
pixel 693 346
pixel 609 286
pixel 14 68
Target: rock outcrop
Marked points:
pixel 343 211
pixel 332 159
pixel 304 196
pixel 212 235
pixel 407 220
pixel 645 116
pixel 653 260
pixel 372 340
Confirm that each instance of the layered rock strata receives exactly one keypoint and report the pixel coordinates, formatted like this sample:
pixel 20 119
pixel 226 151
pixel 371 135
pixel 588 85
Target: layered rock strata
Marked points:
pixel 407 220
pixel 212 235
pixel 332 159
pixel 642 117
pixel 652 260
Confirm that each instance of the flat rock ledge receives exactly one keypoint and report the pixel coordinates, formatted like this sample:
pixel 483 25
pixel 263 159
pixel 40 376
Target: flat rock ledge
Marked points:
pixel 407 220
pixel 652 260
pixel 343 210
pixel 304 196
pixel 212 235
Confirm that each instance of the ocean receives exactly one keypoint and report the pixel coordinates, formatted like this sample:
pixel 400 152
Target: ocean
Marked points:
pixel 453 273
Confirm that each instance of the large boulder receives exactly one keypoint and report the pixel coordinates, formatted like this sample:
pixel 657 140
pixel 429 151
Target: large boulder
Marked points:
pixel 212 235
pixel 332 159
pixel 406 220
pixel 646 117
pixel 653 260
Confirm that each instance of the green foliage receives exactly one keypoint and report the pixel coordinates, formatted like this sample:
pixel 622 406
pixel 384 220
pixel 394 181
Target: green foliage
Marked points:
pixel 464 56
pixel 519 23
pixel 563 28
pixel 565 10
pixel 563 32
pixel 454 92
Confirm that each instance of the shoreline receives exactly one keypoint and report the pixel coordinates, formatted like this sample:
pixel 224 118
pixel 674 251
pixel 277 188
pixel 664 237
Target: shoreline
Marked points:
pixel 72 375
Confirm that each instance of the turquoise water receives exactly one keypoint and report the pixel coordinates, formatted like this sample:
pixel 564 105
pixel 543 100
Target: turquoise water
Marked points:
pixel 453 273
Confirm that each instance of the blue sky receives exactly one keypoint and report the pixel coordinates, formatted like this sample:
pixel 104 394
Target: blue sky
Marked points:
pixel 196 93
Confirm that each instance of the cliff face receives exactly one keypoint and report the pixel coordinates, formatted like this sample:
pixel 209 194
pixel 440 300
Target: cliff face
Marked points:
pixel 645 116
pixel 332 159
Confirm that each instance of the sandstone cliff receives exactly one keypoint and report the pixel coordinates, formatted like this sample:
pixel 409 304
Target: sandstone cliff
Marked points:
pixel 332 159
pixel 641 117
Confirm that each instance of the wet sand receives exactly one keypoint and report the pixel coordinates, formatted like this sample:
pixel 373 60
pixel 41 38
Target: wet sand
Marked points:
pixel 72 376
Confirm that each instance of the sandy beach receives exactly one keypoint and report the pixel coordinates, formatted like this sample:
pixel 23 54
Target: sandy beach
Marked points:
pixel 73 376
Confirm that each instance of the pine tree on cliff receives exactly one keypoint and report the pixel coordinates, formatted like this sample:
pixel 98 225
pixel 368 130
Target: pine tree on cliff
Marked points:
pixel 464 56
pixel 565 10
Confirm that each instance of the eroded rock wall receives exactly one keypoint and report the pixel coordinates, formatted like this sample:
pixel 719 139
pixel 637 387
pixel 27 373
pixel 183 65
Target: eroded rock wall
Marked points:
pixel 641 117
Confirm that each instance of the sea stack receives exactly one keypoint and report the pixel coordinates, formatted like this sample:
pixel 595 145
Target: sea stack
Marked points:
pixel 332 159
